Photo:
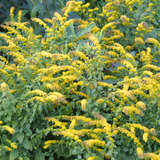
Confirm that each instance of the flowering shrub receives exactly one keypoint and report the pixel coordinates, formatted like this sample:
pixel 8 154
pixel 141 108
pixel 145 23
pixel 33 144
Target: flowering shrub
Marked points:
pixel 88 89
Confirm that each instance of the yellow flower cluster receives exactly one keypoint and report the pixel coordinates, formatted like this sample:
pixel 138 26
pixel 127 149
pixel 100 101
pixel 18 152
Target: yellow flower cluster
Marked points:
pixel 143 26
pixel 147 155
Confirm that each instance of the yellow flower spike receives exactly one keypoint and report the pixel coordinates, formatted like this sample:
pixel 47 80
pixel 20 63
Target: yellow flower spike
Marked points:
pixel 133 130
pixel 52 86
pixel 151 156
pixel 125 20
pixel 150 66
pixel 8 148
pixel 59 17
pixel 153 41
pixel 9 129
pixel 86 5
pixel 95 29
pixel 3 59
pixel 92 158
pixel 57 122
pixel 129 66
pixel 153 131
pixel 80 94
pixel 130 110
pixel 19 16
pixel 55 98
pixel 79 54
pixel 72 6
pixel 113 17
pixel 131 135
pixel 141 105
pixel 66 24
pixel 104 84
pixel 1 122
pixel 50 142
pixel 99 101
pixel 37 98
pixel 13 145
pixel 149 73
pixel 69 133
pixel 81 118
pixel 39 21
pixel 84 104
pixel 126 86
pixel 139 126
pixel 139 40
pixel 109 25
pixel 139 152
pixel 73 124
pixel 18 57
pixel 143 26
pixel 129 47
pixel 91 142
pixel 12 13
pixel 155 139
pixel 36 92
pixel 109 77
pixel 145 137
pixel 46 146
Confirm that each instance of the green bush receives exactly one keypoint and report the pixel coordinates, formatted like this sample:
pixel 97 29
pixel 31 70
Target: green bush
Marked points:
pixel 86 88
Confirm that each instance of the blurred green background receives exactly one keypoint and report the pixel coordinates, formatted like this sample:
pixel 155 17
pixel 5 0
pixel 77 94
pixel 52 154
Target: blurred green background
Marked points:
pixel 31 8
pixel 37 8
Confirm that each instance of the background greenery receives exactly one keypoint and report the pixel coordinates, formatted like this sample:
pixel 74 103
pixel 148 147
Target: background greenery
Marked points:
pixel 31 8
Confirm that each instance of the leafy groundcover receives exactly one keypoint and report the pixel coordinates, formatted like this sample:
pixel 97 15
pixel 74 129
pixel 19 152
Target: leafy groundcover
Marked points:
pixel 87 88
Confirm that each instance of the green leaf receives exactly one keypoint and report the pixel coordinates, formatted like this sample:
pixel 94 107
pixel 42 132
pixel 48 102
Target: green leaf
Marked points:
pixel 13 155
pixel 39 155
pixel 27 144
pixel 35 9
pixel 20 137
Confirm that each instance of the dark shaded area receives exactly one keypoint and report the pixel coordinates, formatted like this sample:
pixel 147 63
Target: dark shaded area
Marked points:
pixel 5 6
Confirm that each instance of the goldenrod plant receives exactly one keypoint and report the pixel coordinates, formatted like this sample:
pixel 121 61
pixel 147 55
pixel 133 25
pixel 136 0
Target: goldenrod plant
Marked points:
pixel 88 88
pixel 5 143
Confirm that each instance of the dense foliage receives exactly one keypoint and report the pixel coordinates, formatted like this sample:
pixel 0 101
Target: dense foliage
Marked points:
pixel 31 8
pixel 87 87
